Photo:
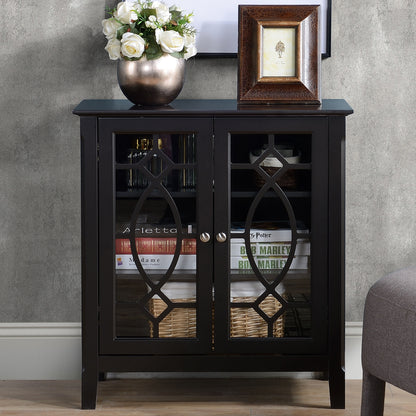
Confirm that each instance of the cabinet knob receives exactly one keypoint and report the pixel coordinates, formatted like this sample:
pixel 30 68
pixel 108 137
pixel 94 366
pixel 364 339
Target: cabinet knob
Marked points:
pixel 221 237
pixel 205 237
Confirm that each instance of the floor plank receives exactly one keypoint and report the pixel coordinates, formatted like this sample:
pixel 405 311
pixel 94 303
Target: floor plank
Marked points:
pixel 186 397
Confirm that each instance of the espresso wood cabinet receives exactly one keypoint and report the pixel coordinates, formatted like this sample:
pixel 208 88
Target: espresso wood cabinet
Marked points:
pixel 212 239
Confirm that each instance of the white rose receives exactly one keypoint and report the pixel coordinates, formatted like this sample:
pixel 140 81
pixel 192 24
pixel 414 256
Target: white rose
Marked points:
pixel 189 39
pixel 125 12
pixel 162 12
pixel 190 46
pixel 132 45
pixel 110 27
pixel 113 48
pixel 190 51
pixel 169 40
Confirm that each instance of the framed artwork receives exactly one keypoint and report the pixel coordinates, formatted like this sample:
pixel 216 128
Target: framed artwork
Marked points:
pixel 279 55
pixel 216 22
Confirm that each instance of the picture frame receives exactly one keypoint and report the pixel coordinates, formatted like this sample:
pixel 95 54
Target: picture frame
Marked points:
pixel 216 23
pixel 279 54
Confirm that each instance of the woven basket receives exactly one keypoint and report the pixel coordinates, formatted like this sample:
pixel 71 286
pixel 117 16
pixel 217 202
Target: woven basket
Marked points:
pixel 245 322
pixel 179 323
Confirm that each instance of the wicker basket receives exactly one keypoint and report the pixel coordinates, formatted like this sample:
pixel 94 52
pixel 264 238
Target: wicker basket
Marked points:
pixel 179 323
pixel 245 322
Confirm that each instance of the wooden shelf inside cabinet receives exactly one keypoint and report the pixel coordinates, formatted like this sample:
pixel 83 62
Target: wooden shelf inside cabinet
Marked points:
pixel 211 317
pixel 270 194
pixel 155 194
pixel 156 275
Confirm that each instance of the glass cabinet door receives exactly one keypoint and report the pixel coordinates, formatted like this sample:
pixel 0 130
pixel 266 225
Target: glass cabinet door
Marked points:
pixel 155 175
pixel 270 264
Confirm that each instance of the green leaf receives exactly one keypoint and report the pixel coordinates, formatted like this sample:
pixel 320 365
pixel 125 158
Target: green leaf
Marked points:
pixel 148 12
pixel 153 50
pixel 176 16
pixel 133 29
pixel 121 31
pixel 178 55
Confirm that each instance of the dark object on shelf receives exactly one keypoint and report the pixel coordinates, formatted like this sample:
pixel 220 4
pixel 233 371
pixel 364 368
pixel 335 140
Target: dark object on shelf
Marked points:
pixel 271 165
pixel 186 156
pixel 287 181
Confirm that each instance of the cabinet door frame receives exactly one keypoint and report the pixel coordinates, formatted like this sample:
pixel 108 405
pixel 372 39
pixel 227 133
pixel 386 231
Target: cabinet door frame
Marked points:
pixel 318 129
pixel 108 129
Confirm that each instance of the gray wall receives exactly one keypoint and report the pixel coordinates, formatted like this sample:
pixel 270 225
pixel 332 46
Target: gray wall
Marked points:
pixel 52 57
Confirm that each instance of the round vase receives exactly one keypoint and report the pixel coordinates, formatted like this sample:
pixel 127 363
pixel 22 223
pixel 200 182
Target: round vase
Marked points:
pixel 151 82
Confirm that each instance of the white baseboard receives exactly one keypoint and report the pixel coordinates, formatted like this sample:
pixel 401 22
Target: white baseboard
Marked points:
pixel 353 337
pixel 52 351
pixel 40 351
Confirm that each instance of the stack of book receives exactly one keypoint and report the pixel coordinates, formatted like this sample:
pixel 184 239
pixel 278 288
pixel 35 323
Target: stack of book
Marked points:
pixel 270 249
pixel 156 253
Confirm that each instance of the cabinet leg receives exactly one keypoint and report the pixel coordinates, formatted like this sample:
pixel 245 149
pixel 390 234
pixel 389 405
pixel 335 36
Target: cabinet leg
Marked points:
pixel 89 391
pixel 337 388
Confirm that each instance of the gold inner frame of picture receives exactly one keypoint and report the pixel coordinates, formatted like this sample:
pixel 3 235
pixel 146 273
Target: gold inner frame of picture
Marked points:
pixel 278 51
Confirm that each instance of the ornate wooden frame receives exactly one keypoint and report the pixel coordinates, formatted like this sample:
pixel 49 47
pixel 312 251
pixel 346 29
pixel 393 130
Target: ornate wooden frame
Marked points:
pixel 303 86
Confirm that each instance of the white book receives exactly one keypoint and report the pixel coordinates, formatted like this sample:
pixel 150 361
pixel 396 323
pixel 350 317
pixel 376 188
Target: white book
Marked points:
pixel 303 248
pixel 155 261
pixel 269 263
pixel 268 236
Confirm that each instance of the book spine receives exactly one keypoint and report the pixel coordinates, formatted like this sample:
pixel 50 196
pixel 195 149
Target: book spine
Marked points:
pixel 269 263
pixel 155 246
pixel 155 261
pixel 270 249
pixel 269 236
pixel 153 230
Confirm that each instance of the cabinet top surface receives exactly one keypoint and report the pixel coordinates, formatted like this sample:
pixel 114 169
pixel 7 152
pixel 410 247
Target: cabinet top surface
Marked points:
pixel 123 108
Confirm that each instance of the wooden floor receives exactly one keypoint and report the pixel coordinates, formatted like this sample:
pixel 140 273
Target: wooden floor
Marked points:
pixel 207 397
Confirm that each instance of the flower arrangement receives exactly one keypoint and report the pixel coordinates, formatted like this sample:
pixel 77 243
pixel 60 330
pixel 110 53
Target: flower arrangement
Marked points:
pixel 146 28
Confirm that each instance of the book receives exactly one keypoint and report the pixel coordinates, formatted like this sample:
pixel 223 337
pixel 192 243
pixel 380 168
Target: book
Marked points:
pixel 269 263
pixel 268 236
pixel 155 245
pixel 157 230
pixel 303 248
pixel 155 261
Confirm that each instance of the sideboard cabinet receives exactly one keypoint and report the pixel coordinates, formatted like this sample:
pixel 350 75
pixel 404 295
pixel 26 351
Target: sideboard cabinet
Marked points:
pixel 212 239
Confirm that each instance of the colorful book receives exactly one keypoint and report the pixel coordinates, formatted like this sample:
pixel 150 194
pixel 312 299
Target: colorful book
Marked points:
pixel 150 245
pixel 155 261
pixel 303 248
pixel 269 263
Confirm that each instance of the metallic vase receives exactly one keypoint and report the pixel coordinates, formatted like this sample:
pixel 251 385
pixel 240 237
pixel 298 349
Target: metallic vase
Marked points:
pixel 155 82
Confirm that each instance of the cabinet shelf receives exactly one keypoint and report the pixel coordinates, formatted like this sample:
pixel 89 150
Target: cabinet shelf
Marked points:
pixel 155 194
pixel 271 194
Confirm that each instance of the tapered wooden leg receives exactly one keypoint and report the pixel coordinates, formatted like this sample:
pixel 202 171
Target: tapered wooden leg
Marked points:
pixel 89 390
pixel 337 387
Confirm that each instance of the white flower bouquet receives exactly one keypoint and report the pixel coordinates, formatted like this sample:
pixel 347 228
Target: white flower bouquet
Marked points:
pixel 148 29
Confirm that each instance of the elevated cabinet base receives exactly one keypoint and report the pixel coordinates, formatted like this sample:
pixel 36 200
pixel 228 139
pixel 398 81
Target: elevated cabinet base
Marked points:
pixel 212 239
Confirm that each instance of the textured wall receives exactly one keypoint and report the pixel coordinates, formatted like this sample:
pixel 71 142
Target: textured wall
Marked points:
pixel 52 57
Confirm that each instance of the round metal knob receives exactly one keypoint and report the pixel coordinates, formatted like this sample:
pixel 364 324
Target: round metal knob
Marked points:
pixel 205 237
pixel 221 237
